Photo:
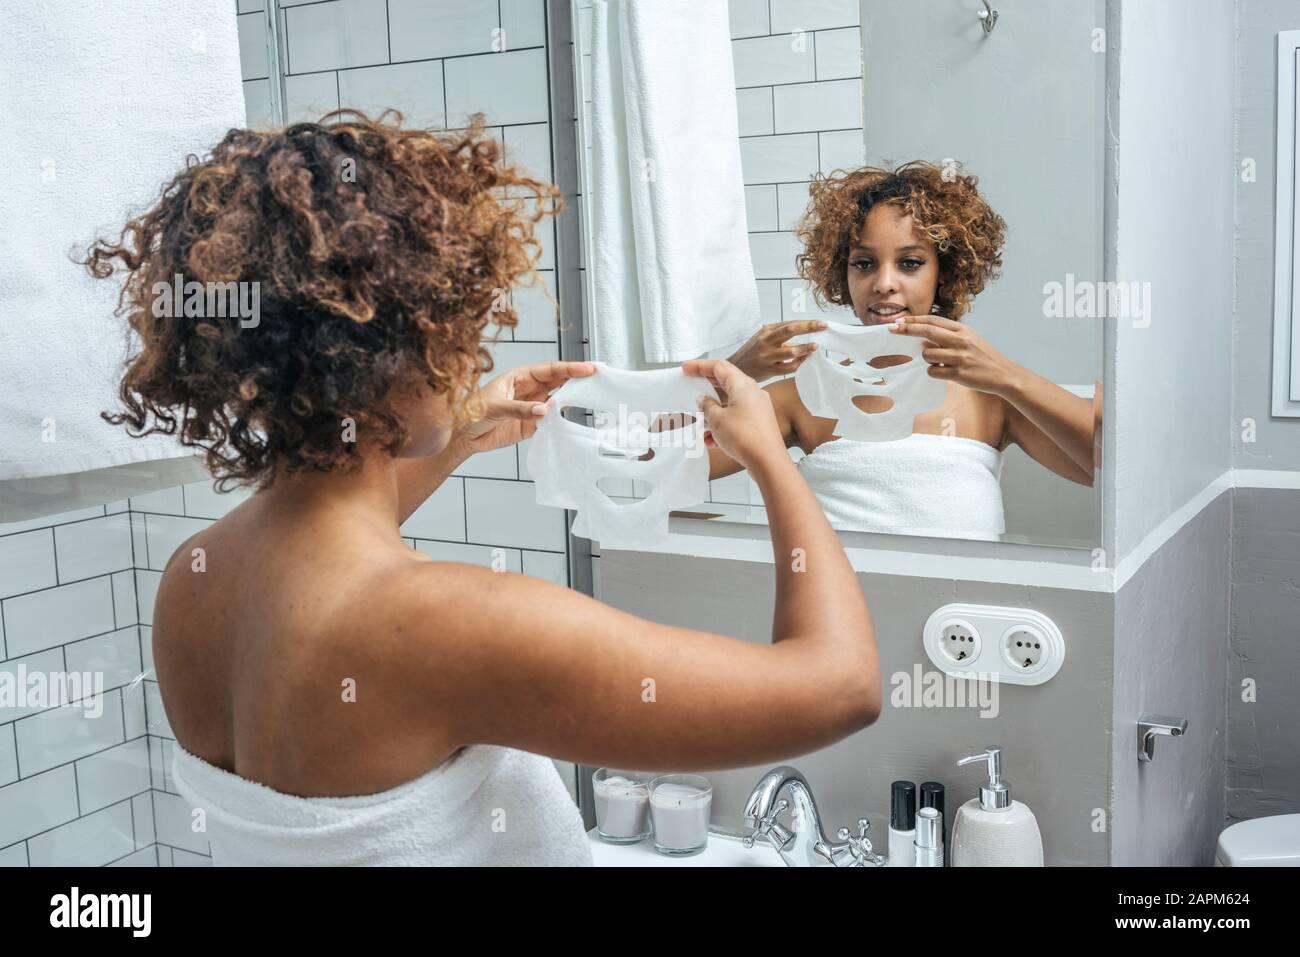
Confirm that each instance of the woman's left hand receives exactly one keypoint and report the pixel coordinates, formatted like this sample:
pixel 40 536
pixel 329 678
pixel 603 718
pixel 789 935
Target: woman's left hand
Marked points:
pixel 515 400
pixel 958 353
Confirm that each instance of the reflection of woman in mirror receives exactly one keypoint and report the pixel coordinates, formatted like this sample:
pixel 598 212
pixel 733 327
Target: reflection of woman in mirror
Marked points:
pixel 912 248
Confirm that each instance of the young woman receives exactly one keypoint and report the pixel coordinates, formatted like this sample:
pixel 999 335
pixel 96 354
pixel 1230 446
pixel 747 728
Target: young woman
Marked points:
pixel 337 697
pixel 912 248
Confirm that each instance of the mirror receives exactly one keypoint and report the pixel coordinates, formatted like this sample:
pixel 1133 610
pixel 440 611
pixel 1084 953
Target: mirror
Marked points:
pixel 895 157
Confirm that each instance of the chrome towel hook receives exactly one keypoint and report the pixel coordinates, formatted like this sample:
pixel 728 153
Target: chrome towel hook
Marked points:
pixel 988 17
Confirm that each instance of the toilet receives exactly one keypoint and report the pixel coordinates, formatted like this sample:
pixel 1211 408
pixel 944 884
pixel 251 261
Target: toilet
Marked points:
pixel 1272 841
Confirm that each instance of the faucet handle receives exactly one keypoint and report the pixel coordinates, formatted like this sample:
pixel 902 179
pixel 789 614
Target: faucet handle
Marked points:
pixel 769 820
pixel 844 834
pixel 859 845
pixel 768 824
pixel 854 850
pixel 781 805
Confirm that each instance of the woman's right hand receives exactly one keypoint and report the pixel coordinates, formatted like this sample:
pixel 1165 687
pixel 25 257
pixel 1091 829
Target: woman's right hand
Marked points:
pixel 768 352
pixel 743 424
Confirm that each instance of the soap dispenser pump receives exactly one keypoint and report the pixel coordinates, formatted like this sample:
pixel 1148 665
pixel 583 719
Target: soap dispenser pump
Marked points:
pixel 993 830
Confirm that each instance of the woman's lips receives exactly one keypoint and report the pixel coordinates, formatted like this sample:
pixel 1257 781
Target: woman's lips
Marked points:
pixel 890 315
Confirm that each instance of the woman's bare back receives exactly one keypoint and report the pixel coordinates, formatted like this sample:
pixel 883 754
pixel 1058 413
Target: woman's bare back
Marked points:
pixel 277 661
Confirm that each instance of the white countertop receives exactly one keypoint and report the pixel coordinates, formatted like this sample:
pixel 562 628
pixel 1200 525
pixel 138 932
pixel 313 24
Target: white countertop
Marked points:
pixel 722 851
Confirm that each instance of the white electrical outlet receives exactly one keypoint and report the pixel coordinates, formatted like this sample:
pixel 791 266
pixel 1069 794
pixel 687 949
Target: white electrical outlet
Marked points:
pixel 959 641
pixel 1013 645
pixel 1022 646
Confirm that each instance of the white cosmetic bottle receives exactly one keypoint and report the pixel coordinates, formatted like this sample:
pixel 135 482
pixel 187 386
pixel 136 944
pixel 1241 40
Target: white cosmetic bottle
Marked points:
pixel 994 830
pixel 902 824
pixel 929 838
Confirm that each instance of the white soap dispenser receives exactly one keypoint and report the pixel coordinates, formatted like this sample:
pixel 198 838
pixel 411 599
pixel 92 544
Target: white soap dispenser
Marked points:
pixel 994 830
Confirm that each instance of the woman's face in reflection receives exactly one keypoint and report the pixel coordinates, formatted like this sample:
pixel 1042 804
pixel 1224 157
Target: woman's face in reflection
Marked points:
pixel 893 269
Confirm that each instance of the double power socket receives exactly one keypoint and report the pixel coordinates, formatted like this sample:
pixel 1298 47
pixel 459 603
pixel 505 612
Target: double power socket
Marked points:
pixel 1013 645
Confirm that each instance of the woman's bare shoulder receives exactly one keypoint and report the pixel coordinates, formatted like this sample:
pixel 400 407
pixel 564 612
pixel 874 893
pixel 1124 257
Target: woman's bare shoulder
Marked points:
pixel 184 580
pixel 467 598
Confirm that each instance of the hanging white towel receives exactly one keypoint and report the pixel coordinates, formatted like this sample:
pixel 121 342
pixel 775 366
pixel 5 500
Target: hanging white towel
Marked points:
pixel 670 242
pixel 615 329
pixel 923 485
pixel 99 103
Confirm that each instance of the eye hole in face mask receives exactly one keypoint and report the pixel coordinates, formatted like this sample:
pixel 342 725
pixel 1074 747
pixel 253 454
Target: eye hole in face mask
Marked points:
pixel 671 421
pixel 884 362
pixel 620 452
pixel 621 491
pixel 877 362
pixel 628 422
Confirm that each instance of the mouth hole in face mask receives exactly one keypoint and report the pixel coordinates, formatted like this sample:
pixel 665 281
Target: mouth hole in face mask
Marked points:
pixel 624 490
pixel 873 403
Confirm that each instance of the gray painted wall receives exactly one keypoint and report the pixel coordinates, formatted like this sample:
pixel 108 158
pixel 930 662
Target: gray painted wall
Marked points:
pixel 1172 381
pixel 1041 506
pixel 1171 643
pixel 1263 773
pixel 1055 736
pixel 1277 441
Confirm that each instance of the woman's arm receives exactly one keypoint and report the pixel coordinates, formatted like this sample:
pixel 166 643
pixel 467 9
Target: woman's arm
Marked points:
pixel 513 403
pixel 504 659
pixel 1053 425
pixel 786 406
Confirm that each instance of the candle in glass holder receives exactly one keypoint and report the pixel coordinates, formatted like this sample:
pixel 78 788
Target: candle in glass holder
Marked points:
pixel 622 807
pixel 679 808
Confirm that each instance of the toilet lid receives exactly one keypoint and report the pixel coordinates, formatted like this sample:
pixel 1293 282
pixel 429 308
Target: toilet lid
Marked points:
pixel 1262 842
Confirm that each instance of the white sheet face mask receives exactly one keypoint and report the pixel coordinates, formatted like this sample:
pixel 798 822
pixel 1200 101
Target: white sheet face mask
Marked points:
pixel 827 388
pixel 567 460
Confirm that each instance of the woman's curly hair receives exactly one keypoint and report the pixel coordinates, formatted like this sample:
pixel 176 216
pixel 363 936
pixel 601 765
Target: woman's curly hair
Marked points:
pixel 946 207
pixel 381 254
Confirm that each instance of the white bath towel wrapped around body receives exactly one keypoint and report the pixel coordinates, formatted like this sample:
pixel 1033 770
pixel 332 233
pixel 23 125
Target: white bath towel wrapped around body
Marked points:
pixel 484 806
pixel 922 484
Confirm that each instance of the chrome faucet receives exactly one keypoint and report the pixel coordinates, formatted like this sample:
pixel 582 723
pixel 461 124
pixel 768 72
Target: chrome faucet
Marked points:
pixel 1149 725
pixel 804 844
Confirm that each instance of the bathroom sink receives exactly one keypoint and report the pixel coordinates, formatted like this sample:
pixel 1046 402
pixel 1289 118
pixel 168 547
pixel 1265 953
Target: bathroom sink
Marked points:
pixel 723 851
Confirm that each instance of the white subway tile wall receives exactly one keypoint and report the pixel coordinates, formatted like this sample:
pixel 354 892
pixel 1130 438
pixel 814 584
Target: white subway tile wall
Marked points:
pixel 75 782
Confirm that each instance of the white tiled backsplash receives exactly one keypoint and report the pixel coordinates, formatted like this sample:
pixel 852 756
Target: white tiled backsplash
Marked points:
pixel 75 785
